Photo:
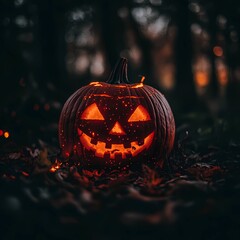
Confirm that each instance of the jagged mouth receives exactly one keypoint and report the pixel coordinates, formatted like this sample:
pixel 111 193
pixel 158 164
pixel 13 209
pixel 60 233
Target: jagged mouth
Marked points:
pixel 114 151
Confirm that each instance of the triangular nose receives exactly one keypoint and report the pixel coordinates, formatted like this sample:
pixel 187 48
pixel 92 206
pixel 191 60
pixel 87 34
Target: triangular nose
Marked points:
pixel 117 129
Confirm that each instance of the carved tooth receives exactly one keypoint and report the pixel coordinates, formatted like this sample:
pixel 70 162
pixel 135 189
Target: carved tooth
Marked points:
pixel 127 145
pixel 94 141
pixel 140 142
pixel 108 145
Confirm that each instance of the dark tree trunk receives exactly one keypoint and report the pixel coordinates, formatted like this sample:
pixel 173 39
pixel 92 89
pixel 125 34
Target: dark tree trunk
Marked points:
pixel 214 86
pixel 111 29
pixel 47 39
pixel 185 86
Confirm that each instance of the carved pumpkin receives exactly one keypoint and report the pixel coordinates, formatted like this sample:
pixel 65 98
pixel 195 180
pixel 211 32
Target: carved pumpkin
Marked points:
pixel 117 123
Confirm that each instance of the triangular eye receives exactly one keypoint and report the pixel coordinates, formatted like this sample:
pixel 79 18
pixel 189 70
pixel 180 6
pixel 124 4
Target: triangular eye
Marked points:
pixel 140 114
pixel 92 113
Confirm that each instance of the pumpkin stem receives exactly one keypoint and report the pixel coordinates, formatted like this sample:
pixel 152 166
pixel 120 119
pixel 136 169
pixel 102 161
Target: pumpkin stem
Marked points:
pixel 142 79
pixel 119 73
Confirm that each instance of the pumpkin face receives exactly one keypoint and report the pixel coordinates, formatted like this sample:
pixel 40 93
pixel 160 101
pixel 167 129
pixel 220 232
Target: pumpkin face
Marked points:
pixel 107 124
pixel 119 131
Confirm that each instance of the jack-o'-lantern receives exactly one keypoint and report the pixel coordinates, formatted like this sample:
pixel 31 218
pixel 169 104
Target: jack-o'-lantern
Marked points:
pixel 115 123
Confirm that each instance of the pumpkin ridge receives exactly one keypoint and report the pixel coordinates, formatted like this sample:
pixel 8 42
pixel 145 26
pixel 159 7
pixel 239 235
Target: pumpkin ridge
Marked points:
pixel 149 101
pixel 163 106
pixel 171 124
pixel 77 106
pixel 67 123
pixel 70 123
pixel 64 119
pixel 164 124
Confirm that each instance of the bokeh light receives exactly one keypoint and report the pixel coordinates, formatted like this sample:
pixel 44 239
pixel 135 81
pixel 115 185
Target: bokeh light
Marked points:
pixel 6 134
pixel 218 51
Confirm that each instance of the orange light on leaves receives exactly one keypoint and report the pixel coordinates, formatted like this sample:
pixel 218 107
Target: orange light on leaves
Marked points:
pixel 218 51
pixel 55 166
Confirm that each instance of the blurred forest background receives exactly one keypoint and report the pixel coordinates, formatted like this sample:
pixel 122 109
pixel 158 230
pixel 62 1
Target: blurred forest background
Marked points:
pixel 189 50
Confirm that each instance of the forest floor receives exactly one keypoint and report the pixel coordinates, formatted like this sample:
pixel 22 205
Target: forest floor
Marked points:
pixel 195 196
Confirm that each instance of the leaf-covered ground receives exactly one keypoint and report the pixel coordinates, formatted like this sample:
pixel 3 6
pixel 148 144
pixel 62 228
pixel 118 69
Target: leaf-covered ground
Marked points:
pixel 195 196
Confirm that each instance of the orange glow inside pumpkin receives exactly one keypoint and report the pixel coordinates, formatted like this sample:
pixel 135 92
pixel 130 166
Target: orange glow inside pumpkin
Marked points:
pixel 98 84
pixel 109 96
pixel 92 113
pixel 140 114
pixel 116 149
pixel 117 129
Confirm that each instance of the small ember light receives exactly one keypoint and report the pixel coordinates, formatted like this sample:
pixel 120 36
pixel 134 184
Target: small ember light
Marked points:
pixel 6 134
pixel 1 132
pixel 55 166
